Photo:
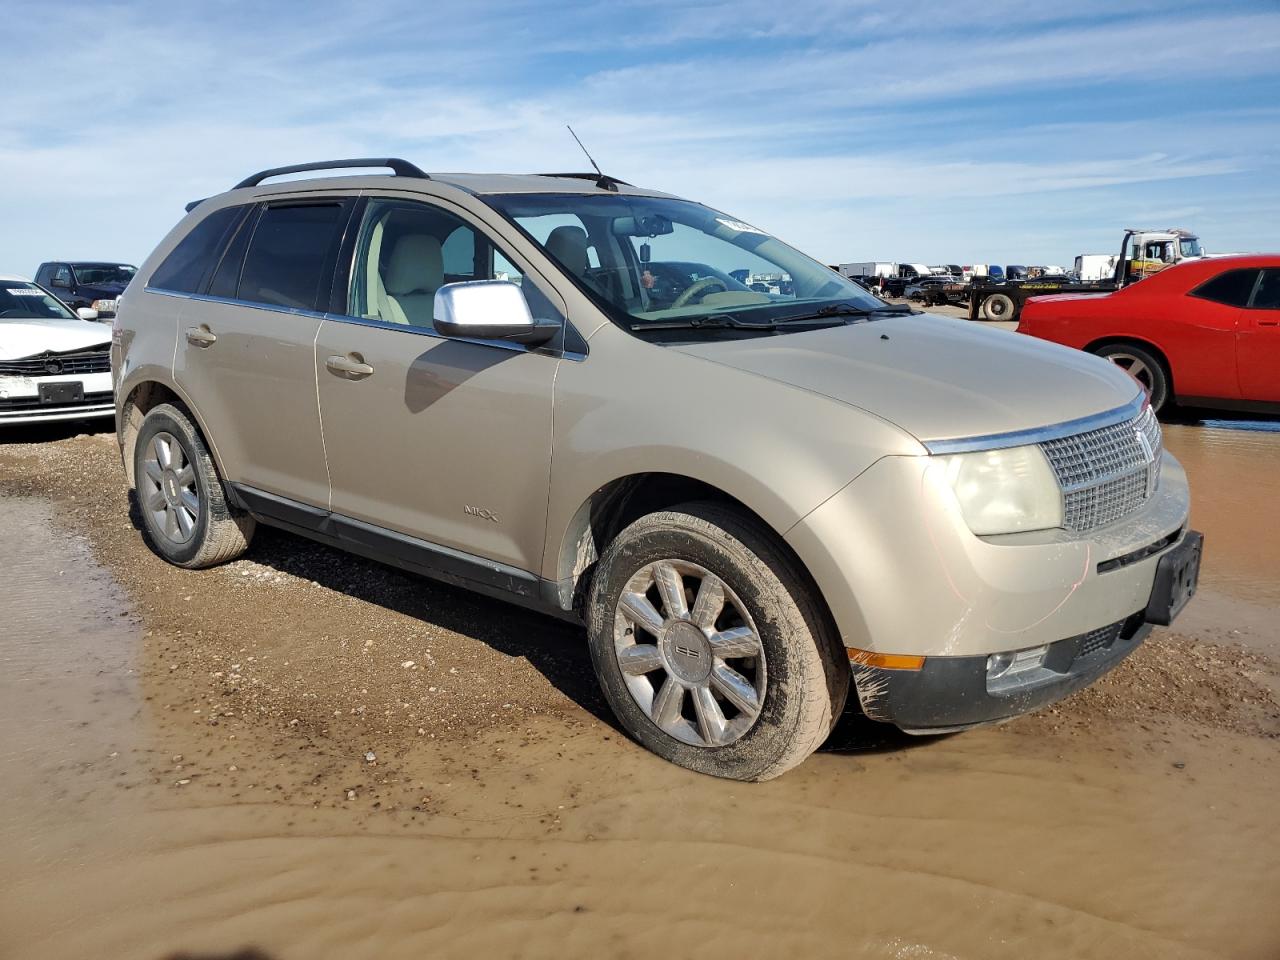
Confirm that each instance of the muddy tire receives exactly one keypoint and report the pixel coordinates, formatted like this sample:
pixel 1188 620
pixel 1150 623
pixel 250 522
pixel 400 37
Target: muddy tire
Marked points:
pixel 183 503
pixel 1145 367
pixel 710 645
pixel 998 306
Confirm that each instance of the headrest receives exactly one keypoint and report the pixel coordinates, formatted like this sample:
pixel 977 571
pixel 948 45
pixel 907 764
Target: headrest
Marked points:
pixel 416 264
pixel 569 246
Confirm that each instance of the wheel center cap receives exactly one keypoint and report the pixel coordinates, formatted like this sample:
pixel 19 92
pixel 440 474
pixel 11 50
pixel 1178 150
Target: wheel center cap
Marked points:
pixel 169 484
pixel 687 652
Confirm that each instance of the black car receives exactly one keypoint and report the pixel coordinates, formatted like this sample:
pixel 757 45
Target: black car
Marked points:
pixel 85 283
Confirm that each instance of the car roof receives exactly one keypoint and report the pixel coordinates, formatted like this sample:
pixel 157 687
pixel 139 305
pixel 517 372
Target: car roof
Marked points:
pixel 473 183
pixel 1188 273
pixel 1242 260
pixel 1207 266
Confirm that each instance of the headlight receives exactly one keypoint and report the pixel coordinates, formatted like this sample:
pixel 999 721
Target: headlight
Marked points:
pixel 1005 491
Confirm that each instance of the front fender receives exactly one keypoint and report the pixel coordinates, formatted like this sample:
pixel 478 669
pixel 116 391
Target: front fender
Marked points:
pixel 634 408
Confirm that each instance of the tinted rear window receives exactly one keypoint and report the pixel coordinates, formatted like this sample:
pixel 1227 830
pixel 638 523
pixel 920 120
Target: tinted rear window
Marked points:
pixel 226 278
pixel 287 255
pixel 186 266
pixel 1231 288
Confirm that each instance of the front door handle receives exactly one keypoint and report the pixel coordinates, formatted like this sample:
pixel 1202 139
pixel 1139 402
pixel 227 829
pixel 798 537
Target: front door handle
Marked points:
pixel 351 366
pixel 201 336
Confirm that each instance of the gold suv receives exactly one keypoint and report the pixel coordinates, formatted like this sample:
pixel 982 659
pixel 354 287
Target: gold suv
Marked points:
pixel 753 481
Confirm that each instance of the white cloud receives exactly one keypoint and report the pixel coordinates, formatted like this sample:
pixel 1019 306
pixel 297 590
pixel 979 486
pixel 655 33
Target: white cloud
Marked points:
pixel 839 126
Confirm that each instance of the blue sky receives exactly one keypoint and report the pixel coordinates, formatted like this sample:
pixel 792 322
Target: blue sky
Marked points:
pixel 995 132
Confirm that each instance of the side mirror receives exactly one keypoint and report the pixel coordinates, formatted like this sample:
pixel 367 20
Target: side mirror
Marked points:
pixel 87 313
pixel 59 282
pixel 489 310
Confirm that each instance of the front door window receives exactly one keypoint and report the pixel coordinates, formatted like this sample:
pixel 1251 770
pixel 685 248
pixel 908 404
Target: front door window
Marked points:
pixel 407 251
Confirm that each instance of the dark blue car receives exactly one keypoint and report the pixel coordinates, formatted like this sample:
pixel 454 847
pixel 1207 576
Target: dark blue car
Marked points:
pixel 85 283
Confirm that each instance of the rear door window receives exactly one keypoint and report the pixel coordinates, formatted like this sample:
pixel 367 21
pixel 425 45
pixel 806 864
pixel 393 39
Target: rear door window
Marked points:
pixel 186 267
pixel 226 278
pixel 291 254
pixel 1231 288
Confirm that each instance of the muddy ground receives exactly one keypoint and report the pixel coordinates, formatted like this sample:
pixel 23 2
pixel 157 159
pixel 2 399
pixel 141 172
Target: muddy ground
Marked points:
pixel 312 755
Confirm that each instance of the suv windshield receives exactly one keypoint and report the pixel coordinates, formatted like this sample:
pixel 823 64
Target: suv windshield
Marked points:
pixel 652 260
pixel 104 272
pixel 26 301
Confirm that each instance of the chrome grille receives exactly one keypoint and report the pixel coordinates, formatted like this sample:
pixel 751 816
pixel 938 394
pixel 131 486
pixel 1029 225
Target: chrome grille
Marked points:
pixel 51 364
pixel 1108 473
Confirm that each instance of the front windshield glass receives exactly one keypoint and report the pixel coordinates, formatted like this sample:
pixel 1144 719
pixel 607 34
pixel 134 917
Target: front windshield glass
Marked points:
pixel 26 301
pixel 1190 247
pixel 656 261
pixel 104 272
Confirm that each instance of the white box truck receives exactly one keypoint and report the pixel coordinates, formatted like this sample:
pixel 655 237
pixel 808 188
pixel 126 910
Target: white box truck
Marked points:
pixel 871 268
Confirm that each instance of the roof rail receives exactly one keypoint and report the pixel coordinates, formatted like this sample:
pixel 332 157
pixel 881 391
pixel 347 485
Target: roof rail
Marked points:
pixel 401 168
pixel 603 181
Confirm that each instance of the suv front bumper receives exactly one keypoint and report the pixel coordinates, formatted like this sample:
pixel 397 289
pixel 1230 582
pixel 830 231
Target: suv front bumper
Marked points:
pixel 902 573
pixel 953 693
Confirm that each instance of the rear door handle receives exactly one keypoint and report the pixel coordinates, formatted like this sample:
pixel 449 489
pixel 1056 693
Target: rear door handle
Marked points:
pixel 351 366
pixel 201 336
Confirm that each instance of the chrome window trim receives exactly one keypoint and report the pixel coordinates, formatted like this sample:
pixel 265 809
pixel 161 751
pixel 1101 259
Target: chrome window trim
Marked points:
pixel 1018 438
pixel 434 335
pixel 231 301
pixel 360 321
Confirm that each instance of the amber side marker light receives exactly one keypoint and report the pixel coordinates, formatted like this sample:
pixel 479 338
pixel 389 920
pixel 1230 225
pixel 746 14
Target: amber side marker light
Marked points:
pixel 888 661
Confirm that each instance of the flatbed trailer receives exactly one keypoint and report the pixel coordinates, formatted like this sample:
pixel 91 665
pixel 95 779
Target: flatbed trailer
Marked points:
pixel 1004 301
pixel 1142 252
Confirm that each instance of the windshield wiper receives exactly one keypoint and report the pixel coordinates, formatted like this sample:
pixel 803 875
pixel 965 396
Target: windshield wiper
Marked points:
pixel 828 316
pixel 714 321
pixel 846 310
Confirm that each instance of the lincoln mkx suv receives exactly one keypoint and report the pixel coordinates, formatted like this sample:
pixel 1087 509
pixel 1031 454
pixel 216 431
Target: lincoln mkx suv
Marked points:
pixel 754 483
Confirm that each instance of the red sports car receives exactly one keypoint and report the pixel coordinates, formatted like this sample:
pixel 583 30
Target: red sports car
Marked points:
pixel 1205 333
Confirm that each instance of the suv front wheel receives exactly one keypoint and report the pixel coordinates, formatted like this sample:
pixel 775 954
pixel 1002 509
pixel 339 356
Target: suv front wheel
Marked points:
pixel 180 495
pixel 710 646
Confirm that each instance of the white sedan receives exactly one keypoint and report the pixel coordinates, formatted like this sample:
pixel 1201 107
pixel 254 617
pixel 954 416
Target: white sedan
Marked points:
pixel 54 364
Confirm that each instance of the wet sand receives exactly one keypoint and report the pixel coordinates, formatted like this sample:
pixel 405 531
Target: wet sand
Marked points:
pixel 186 768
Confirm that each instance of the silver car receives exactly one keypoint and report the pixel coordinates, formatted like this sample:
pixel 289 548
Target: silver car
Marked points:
pixel 554 389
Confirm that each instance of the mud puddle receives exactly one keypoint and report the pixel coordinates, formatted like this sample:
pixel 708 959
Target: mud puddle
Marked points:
pixel 1234 469
pixel 282 781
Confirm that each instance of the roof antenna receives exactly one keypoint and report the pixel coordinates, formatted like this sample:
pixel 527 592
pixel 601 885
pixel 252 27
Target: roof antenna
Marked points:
pixel 604 183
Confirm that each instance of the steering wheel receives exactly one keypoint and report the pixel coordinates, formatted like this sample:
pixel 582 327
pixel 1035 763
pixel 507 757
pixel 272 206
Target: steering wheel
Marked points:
pixel 702 286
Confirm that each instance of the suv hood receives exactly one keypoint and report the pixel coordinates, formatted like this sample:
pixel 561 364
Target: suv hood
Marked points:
pixel 19 338
pixel 936 378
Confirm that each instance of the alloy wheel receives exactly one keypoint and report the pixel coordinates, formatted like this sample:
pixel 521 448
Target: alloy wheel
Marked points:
pixel 168 489
pixel 690 654
pixel 1135 367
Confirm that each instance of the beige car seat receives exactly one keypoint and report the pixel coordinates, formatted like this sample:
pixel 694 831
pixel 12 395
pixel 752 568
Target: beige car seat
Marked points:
pixel 407 287
pixel 569 246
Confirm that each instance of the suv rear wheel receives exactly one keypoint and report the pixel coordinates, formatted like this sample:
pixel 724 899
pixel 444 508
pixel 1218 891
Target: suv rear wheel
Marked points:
pixel 710 647
pixel 183 503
